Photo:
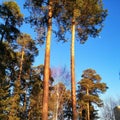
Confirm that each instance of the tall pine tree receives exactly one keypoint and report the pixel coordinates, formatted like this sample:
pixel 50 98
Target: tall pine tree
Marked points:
pixel 83 18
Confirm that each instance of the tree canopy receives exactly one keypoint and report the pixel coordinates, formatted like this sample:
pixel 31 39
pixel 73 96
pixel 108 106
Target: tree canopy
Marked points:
pixel 90 87
pixel 11 20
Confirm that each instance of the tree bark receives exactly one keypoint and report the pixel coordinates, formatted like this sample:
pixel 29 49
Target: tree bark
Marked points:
pixel 21 64
pixel 88 107
pixel 47 66
pixel 73 83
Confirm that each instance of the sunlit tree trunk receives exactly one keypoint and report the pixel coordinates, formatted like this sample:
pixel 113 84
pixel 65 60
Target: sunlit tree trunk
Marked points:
pixel 57 104
pixel 88 107
pixel 21 64
pixel 47 66
pixel 73 83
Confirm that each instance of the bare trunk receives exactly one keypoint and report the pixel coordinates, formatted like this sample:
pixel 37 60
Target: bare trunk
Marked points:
pixel 73 83
pixel 88 108
pixel 46 66
pixel 21 65
pixel 57 106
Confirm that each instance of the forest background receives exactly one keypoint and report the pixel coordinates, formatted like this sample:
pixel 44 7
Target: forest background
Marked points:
pixel 100 54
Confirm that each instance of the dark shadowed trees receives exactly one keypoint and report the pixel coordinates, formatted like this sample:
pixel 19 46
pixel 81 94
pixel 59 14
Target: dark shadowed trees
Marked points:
pixel 11 19
pixel 7 73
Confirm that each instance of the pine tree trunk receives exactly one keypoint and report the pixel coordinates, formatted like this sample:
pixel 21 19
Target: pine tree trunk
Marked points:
pixel 21 65
pixel 88 108
pixel 57 106
pixel 47 66
pixel 73 83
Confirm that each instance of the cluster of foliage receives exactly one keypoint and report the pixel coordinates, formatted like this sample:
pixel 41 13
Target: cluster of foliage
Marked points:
pixel 24 88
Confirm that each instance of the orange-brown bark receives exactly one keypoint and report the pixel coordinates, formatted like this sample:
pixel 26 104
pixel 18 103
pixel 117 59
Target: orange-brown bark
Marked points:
pixel 73 83
pixel 47 66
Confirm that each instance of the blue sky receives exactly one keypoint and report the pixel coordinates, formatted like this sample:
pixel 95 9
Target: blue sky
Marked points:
pixel 101 54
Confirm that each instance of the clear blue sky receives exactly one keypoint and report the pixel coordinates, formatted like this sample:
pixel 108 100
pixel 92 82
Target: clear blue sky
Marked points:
pixel 101 54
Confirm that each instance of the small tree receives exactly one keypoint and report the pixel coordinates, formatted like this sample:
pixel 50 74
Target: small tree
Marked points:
pixel 60 95
pixel 89 89
pixel 58 98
